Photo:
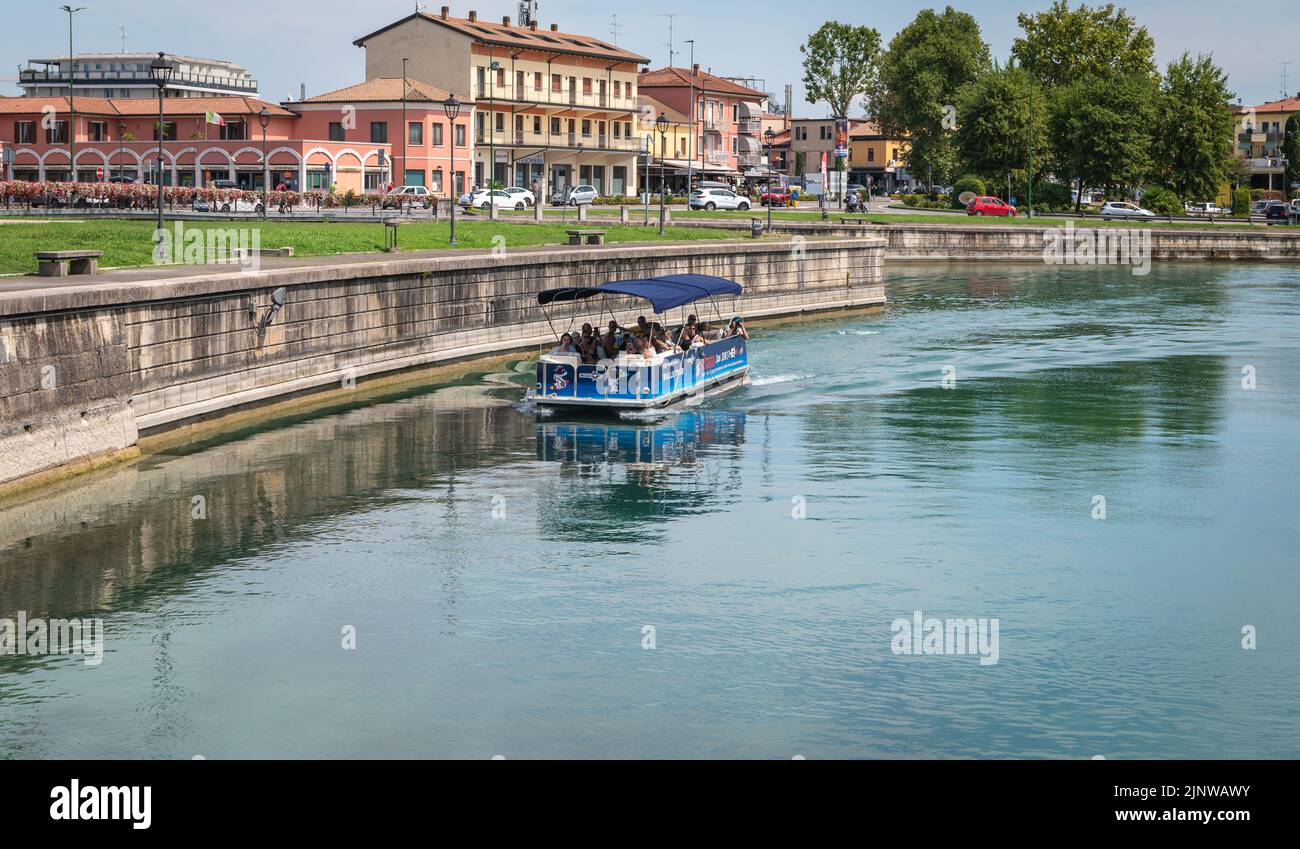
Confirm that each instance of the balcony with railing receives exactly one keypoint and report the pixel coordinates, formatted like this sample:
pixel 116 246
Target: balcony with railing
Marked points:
pixel 1266 163
pixel 588 141
pixel 85 77
pixel 547 96
pixel 751 160
pixel 750 126
pixel 717 157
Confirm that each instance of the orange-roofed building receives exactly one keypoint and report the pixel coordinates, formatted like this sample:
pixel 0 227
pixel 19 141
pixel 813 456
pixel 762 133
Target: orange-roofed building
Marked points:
pixel 551 109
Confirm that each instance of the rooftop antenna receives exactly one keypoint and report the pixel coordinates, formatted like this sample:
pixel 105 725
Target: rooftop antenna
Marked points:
pixel 669 16
pixel 614 27
pixel 1285 90
pixel 123 29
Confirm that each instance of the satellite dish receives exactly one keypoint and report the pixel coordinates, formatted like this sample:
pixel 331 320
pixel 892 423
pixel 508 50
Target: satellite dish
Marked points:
pixel 966 197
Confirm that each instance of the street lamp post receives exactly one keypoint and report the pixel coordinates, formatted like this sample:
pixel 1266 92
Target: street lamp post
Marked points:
pixel 264 118
pixel 661 124
pixel 121 140
pixel 160 71
pixel 72 103
pixel 768 136
pixel 493 67
pixel 451 107
pixel 406 130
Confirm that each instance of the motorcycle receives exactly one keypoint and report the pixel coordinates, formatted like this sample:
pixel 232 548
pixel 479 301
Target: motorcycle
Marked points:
pixel 854 203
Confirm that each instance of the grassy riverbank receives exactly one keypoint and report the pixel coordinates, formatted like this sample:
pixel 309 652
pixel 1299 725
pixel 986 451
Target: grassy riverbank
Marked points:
pixel 129 243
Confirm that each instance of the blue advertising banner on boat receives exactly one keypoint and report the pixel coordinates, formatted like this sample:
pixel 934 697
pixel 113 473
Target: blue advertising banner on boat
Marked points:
pixel 625 380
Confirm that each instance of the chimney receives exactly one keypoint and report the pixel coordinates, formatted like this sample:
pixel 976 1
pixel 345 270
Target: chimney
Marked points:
pixel 532 25
pixel 473 16
pixel 695 70
pixel 505 20
pixel 446 10
pixel 302 91
pixel 555 27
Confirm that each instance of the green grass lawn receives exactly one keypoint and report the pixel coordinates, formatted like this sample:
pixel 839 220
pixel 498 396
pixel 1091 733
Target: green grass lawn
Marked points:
pixel 129 243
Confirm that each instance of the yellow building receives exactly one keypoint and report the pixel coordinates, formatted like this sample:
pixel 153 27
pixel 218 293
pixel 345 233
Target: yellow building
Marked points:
pixel 877 157
pixel 1259 136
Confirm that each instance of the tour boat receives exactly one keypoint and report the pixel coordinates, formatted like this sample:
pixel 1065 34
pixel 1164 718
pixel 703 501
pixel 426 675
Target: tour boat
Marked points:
pixel 631 381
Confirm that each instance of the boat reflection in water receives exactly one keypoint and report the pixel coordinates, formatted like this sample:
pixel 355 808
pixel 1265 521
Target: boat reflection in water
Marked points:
pixel 679 440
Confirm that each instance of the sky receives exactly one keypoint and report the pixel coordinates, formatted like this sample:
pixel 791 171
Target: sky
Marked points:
pixel 288 42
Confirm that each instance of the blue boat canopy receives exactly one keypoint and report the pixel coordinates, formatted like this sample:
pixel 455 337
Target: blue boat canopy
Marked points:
pixel 663 293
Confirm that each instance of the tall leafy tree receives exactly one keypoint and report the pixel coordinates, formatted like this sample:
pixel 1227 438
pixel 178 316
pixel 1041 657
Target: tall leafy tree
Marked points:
pixel 1062 45
pixel 1291 149
pixel 1100 131
pixel 927 64
pixel 1003 113
pixel 841 62
pixel 1193 130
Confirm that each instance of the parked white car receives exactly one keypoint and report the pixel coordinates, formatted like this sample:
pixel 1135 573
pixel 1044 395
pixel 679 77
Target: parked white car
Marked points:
pixel 575 195
pixel 1203 209
pixel 1120 209
pixel 718 199
pixel 483 198
pixel 521 194
pixel 407 196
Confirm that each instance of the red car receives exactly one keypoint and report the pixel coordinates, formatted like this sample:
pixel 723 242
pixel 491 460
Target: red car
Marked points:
pixel 779 197
pixel 990 206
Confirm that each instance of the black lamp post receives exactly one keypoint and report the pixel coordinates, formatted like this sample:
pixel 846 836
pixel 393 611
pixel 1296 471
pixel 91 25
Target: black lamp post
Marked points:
pixel 264 118
pixel 768 136
pixel 451 107
pixel 661 124
pixel 161 71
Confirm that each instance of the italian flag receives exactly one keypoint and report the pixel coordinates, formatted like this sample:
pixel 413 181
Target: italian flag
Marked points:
pixel 214 118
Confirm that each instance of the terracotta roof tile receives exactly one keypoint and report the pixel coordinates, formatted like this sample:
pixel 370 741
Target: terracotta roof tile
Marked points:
pixel 142 106
pixel 382 90
pixel 673 77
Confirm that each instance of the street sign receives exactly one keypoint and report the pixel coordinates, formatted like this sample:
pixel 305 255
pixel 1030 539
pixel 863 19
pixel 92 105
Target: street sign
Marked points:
pixel 538 158
pixel 99 173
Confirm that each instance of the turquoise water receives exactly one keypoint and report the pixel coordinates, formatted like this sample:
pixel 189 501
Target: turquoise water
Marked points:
pixel 499 569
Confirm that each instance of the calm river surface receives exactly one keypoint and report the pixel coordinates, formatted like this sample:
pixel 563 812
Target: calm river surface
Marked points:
pixel 499 569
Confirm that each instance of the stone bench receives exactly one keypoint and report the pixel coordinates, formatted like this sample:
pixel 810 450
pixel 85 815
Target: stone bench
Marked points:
pixel 65 263
pixel 590 237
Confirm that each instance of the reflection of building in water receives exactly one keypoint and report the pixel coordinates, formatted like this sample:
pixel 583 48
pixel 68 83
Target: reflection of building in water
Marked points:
pixel 678 441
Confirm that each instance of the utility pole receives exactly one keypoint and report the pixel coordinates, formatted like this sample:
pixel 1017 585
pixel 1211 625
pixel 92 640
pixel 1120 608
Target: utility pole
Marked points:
pixel 406 130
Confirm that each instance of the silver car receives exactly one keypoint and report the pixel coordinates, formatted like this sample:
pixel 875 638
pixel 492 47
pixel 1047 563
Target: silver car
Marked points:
pixel 1120 209
pixel 711 199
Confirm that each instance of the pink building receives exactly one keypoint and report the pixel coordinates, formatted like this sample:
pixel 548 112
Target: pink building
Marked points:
pixel 339 140
pixel 368 117
pixel 727 118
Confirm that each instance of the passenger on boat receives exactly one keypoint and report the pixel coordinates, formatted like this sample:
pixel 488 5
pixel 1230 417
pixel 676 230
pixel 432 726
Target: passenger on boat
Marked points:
pixel 659 338
pixel 566 346
pixel 642 328
pixel 737 328
pixel 636 346
pixel 609 341
pixel 587 344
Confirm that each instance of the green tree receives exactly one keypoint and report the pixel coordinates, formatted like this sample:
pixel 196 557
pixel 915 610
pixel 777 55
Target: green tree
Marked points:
pixel 1002 112
pixel 1062 45
pixel 841 62
pixel 1100 131
pixel 926 65
pixel 1291 149
pixel 1193 130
